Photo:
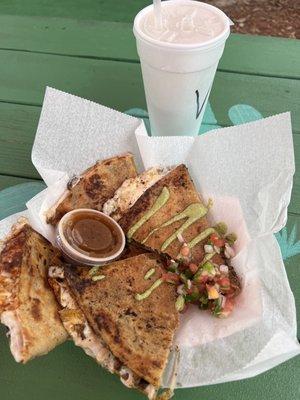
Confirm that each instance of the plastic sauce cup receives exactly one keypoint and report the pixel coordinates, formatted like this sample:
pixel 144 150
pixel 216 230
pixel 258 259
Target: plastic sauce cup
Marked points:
pixel 82 222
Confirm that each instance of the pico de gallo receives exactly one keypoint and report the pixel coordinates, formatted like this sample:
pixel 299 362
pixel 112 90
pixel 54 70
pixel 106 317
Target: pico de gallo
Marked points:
pixel 208 285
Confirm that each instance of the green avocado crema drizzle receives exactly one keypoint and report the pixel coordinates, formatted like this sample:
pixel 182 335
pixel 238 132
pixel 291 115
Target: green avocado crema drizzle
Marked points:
pixel 158 204
pixel 149 273
pixel 207 257
pixel 193 212
pixel 142 296
pixel 203 235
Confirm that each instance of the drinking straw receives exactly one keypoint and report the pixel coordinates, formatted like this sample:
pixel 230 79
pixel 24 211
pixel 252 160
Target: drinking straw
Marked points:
pixel 157 13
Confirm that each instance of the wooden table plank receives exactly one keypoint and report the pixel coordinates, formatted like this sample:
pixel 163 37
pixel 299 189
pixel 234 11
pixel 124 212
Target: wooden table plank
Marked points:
pixel 110 40
pixel 116 10
pixel 23 77
pixel 18 125
pixel 268 95
pixel 261 55
pixel 14 199
pixel 7 181
pixel 67 373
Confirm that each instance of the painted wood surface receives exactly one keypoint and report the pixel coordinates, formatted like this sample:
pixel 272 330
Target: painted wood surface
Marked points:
pixel 24 75
pixel 256 55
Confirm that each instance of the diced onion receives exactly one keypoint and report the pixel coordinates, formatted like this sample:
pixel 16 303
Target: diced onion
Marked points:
pixel 208 248
pixel 223 268
pixel 180 289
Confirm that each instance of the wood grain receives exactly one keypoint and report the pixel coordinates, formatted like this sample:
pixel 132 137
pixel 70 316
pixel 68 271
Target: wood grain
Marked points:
pixel 104 10
pixel 14 199
pixel 46 378
pixel 8 181
pixel 23 77
pixel 243 53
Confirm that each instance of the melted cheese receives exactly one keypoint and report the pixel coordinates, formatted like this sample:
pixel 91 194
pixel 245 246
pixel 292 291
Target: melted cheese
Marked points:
pixel 11 320
pixel 131 190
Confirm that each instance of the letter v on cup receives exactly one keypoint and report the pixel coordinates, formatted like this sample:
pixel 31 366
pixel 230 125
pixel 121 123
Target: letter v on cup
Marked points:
pixel 179 59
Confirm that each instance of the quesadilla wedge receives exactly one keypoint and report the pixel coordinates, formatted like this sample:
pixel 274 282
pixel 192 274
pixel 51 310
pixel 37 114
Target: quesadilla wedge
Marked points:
pixel 27 304
pixel 169 208
pixel 125 321
pixel 168 216
pixel 94 187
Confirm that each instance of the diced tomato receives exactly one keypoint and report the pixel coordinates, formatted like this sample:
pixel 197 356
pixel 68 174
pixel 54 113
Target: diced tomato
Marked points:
pixel 234 291
pixel 171 277
pixel 193 268
pixel 214 238
pixel 224 283
pixel 230 294
pixel 220 243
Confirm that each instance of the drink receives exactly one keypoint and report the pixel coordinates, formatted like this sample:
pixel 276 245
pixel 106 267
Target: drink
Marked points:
pixel 184 24
pixel 179 53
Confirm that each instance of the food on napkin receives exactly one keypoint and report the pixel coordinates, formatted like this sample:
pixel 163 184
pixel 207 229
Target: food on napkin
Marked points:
pixel 165 214
pixel 122 314
pixel 27 304
pixel 94 186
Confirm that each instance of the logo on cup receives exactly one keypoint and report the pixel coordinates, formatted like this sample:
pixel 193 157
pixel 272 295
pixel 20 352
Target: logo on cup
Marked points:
pixel 199 109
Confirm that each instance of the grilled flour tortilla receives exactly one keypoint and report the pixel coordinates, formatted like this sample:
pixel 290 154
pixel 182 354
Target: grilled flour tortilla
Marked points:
pixel 161 206
pixel 128 336
pixel 27 304
pixel 159 214
pixel 94 187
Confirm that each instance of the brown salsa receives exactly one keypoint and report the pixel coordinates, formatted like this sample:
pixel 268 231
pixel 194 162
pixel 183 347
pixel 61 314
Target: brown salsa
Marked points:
pixel 93 235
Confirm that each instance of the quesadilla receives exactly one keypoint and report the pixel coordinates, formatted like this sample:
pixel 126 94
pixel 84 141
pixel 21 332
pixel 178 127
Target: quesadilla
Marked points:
pixel 166 214
pixel 122 314
pixel 168 209
pixel 94 186
pixel 27 304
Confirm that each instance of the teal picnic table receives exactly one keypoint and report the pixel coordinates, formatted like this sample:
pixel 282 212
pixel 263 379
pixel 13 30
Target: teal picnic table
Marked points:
pixel 86 47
